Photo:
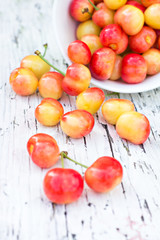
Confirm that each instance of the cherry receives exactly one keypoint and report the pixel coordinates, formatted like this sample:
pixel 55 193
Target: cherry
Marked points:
pixel 43 150
pixel 79 52
pixel 63 186
pixel 90 100
pixel 50 85
pixel 35 64
pixel 49 112
pixel 134 68
pixel 114 37
pixel 77 10
pixel 77 123
pixel 23 81
pixel 104 174
pixel 133 126
pixel 102 63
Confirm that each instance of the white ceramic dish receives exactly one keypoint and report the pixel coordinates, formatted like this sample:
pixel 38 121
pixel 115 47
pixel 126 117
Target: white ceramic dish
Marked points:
pixel 65 28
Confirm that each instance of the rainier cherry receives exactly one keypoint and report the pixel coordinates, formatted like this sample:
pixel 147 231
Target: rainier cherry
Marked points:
pixel 77 123
pixel 143 40
pixel 76 80
pixel 103 16
pixel 79 52
pixel 77 10
pixel 104 174
pixel 23 81
pixel 49 112
pixel 133 126
pixel 134 68
pixel 43 150
pixel 102 63
pixel 116 73
pixel 114 37
pixel 112 4
pixel 50 85
pixel 130 18
pixel 36 65
pixel 152 16
pixel 63 186
pixel 93 42
pixel 90 100
pixel 87 27
pixel 152 57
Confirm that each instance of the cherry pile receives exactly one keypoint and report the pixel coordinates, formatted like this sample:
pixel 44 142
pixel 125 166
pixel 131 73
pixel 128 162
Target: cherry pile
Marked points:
pixel 66 185
pixel 118 40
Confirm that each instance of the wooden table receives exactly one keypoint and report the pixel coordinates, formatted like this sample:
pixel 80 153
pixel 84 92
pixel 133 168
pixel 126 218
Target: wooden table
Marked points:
pixel 129 212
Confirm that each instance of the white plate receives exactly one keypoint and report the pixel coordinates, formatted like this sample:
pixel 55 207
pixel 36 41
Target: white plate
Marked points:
pixel 65 29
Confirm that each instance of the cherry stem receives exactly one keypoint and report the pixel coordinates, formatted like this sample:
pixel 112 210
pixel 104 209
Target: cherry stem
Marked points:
pixel 45 60
pixel 45 49
pixel 96 8
pixel 62 159
pixel 65 155
pixel 86 10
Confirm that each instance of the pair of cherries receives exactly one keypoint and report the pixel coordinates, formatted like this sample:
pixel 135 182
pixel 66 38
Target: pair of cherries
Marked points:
pixel 64 186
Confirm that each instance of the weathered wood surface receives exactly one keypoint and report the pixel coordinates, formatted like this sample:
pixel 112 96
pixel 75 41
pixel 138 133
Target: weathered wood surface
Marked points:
pixel 129 212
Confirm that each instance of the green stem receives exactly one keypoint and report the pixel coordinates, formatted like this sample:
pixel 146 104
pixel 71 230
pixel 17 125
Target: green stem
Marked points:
pixel 96 8
pixel 64 154
pixel 45 60
pixel 62 159
pixel 45 49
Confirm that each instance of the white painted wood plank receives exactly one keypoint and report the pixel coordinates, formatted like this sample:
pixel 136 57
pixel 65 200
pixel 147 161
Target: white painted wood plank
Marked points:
pixel 131 211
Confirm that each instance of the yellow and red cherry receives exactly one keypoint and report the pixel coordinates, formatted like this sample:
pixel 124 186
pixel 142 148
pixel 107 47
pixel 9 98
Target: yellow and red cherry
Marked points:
pixel 130 18
pixel 143 40
pixel 148 3
pixel 103 16
pixel 63 186
pixel 102 63
pixel 90 100
pixel 76 80
pixel 50 85
pixel 134 68
pixel 114 37
pixel 79 52
pixel 133 126
pixel 116 74
pixel 87 27
pixel 43 150
pixel 114 4
pixel 93 42
pixel 104 174
pixel 49 112
pixel 77 10
pixel 136 4
pixel 152 16
pixel 77 123
pixel 113 108
pixel 23 81
pixel 35 64
pixel 152 58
